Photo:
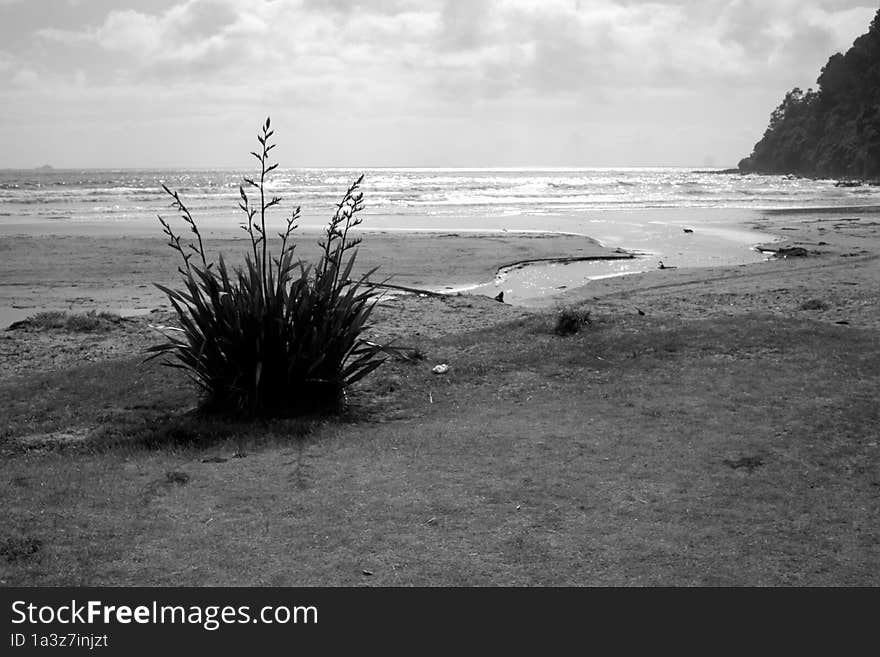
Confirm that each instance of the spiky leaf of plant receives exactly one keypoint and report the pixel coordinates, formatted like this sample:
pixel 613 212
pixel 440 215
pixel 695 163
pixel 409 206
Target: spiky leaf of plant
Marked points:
pixel 276 336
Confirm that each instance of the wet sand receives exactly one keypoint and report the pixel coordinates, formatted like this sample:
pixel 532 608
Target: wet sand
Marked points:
pixel 836 280
pixel 91 266
pixel 99 272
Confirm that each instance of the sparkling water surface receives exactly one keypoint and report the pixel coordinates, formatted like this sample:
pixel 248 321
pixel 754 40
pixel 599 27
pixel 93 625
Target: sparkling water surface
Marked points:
pixel 407 198
pixel 641 209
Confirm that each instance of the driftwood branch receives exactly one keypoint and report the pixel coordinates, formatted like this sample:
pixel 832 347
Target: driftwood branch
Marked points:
pixel 402 288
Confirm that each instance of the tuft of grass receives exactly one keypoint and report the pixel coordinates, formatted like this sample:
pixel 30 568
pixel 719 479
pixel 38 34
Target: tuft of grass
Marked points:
pixel 44 321
pixel 415 355
pixel 570 320
pixel 277 336
pixel 73 322
pixel 19 548
pixel 814 304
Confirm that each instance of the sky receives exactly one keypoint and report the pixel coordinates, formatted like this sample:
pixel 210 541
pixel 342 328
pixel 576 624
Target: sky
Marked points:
pixel 466 83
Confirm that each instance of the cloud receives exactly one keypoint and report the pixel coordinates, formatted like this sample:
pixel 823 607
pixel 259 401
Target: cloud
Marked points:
pixel 515 67
pixel 481 48
pixel 186 33
pixel 790 33
pixel 26 78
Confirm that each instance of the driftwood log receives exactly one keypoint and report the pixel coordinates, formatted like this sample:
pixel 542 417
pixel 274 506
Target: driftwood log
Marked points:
pixel 402 288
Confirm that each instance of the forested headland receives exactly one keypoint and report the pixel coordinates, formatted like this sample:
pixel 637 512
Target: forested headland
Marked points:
pixel 834 130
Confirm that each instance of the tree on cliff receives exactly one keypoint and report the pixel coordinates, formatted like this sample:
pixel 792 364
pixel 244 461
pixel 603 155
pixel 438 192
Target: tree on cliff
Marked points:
pixel 832 132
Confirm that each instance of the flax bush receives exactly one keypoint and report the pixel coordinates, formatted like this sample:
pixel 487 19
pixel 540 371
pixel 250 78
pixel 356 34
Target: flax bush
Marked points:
pixel 277 336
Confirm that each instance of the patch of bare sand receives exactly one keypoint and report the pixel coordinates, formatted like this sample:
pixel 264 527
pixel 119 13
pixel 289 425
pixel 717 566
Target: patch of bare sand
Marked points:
pixel 836 281
pixel 79 273
pixel 82 273
pixel 431 317
pixel 402 319
pixel 26 351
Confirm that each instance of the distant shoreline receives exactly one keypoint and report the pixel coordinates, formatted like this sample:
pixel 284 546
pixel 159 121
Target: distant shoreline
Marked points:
pixel 832 209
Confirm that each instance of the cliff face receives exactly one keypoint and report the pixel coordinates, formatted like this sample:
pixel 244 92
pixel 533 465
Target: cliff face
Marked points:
pixel 833 132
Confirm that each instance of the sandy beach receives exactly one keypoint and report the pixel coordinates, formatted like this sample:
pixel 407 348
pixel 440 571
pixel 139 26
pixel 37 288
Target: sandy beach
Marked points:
pixel 82 273
pixel 101 272
pixel 98 272
pixel 840 267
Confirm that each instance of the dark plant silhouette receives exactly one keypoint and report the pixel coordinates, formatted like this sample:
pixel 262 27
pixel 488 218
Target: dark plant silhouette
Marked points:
pixel 277 336
pixel 570 320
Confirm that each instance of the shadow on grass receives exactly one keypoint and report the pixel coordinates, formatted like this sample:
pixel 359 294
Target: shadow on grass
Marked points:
pixel 131 406
pixel 126 405
pixel 194 431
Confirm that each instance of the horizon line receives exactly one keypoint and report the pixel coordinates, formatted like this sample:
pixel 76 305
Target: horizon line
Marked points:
pixel 48 168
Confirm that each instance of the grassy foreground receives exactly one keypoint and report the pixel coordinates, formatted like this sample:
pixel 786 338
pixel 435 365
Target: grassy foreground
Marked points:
pixel 642 450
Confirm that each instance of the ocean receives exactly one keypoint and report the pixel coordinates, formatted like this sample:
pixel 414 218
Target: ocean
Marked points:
pixel 404 198
pixel 643 210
